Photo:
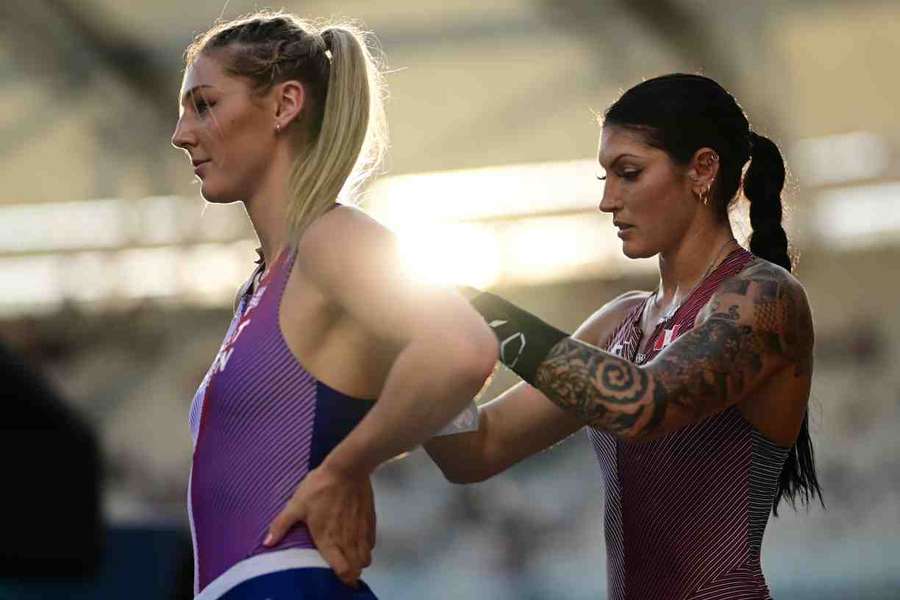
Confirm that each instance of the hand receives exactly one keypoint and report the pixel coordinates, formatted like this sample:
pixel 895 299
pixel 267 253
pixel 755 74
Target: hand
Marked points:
pixel 339 510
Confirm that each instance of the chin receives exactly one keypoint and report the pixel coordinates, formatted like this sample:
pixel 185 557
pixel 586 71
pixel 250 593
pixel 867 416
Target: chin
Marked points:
pixel 216 196
pixel 632 250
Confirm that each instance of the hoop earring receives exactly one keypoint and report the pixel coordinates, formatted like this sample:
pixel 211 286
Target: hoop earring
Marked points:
pixel 704 196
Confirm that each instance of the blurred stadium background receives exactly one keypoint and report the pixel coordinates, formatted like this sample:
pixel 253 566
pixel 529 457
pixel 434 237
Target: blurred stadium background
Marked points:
pixel 116 281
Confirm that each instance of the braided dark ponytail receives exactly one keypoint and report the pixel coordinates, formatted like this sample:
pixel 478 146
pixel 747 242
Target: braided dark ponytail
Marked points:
pixel 763 183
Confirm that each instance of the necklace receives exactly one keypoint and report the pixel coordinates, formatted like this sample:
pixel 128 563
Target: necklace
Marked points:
pixel 673 309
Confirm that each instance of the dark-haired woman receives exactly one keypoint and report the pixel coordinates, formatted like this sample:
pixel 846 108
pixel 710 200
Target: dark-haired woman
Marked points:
pixel 693 395
pixel 279 115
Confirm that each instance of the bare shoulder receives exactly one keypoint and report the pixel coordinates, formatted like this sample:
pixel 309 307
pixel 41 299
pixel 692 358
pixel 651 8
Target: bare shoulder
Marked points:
pixel 346 242
pixel 761 284
pixel 344 226
pixel 770 302
pixel 765 275
pixel 601 324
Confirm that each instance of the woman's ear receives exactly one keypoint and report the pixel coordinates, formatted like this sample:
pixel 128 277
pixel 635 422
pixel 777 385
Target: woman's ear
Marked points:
pixel 702 171
pixel 290 97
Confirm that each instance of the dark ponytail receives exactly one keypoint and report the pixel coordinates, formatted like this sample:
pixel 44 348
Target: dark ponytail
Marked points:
pixel 681 113
pixel 762 187
pixel 763 183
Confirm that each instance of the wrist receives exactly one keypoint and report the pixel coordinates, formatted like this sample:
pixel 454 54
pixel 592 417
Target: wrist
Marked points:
pixel 525 340
pixel 342 463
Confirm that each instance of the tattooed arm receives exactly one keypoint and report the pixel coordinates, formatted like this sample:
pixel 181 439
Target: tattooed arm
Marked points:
pixel 757 326
pixel 521 421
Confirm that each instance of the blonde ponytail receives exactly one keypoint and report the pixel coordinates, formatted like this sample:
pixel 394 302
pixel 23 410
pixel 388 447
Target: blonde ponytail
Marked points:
pixel 351 140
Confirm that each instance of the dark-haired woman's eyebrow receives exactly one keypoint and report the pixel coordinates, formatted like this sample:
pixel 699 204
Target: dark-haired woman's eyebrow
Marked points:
pixel 616 160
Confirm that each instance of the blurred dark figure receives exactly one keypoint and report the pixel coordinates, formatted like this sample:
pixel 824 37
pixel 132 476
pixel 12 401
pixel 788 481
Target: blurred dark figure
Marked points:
pixel 50 504
pixel 183 581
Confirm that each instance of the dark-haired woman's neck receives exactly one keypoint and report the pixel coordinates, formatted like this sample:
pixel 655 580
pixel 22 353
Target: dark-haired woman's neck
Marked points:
pixel 682 267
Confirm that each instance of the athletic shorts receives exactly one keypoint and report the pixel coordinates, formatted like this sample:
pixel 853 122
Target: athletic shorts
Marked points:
pixel 291 574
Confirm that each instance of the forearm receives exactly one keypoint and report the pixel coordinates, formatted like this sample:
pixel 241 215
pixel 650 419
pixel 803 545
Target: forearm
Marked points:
pixel 515 425
pixel 598 388
pixel 462 458
pixel 603 390
pixel 421 395
pixel 711 368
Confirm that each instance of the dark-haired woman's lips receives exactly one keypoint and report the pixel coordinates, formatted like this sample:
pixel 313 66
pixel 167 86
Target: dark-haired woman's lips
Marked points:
pixel 198 165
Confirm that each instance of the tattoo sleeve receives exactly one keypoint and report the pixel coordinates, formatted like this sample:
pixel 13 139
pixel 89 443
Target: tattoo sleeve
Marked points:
pixel 757 324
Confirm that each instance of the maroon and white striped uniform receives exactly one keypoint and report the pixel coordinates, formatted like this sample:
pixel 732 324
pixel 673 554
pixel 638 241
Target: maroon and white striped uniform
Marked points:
pixel 685 513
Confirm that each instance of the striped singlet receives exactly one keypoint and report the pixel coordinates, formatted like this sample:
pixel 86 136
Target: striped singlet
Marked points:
pixel 259 422
pixel 685 513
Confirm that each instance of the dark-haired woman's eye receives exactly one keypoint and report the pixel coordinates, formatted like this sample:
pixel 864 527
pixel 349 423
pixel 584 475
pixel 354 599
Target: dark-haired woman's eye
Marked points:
pixel 630 175
pixel 601 177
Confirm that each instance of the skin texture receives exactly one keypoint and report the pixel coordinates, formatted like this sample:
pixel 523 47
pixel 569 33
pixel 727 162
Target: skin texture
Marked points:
pixel 350 314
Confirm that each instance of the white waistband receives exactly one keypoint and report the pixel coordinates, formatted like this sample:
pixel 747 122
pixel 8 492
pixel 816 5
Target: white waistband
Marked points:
pixel 262 564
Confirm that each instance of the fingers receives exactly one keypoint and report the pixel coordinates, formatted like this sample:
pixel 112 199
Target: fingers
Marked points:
pixel 339 513
pixel 352 539
pixel 363 551
pixel 367 535
pixel 339 564
pixel 373 520
pixel 282 524
pixel 366 539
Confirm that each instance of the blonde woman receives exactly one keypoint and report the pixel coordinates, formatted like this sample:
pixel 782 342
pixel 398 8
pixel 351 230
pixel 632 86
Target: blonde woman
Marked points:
pixel 283 117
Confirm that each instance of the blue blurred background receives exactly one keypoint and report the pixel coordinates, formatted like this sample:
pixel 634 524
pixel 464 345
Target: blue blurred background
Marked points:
pixel 116 280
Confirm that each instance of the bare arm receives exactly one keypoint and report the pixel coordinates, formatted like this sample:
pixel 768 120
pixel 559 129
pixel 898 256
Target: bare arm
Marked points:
pixel 758 325
pixel 446 350
pixel 445 353
pixel 521 421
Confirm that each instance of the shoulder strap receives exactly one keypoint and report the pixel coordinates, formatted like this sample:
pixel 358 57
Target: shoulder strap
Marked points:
pixel 247 286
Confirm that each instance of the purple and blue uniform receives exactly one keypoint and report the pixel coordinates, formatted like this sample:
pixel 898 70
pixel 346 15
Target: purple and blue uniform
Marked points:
pixel 260 422
pixel 685 514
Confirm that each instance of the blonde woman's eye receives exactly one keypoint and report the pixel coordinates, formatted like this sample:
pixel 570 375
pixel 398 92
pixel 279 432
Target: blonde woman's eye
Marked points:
pixel 201 105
